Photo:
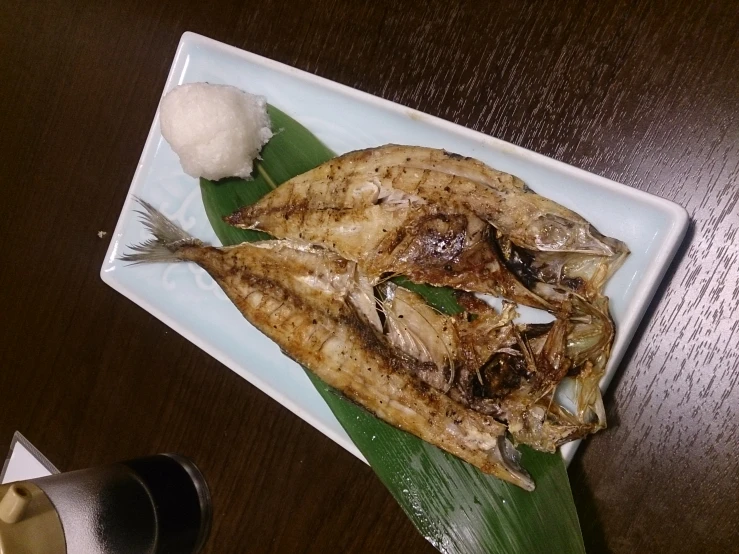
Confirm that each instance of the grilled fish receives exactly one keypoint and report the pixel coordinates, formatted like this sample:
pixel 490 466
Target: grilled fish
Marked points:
pixel 319 309
pixel 321 291
pixel 475 227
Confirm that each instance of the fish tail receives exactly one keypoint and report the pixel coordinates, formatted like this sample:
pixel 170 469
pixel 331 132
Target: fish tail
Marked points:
pixel 168 239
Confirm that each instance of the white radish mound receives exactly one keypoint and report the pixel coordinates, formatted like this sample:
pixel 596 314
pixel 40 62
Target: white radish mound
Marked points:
pixel 216 130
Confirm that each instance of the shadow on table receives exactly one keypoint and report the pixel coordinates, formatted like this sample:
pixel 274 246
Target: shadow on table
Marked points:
pixel 587 507
pixel 587 510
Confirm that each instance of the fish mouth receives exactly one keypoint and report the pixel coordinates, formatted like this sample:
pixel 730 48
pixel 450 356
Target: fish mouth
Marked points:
pixel 506 455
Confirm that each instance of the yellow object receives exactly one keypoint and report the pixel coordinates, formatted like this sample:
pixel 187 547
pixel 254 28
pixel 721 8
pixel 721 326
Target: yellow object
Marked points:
pixel 29 524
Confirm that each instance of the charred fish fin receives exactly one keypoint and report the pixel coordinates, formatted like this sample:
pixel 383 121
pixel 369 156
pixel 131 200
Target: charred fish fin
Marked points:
pixel 168 239
pixel 510 458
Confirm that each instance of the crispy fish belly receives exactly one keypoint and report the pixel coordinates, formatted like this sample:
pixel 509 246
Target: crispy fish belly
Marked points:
pixel 485 361
pixel 313 304
pixel 364 202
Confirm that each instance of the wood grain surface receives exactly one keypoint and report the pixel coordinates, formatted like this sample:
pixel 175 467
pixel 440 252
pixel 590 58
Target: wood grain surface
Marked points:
pixel 645 93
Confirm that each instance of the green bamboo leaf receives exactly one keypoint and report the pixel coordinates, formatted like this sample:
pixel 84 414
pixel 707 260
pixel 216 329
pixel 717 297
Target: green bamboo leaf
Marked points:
pixel 456 507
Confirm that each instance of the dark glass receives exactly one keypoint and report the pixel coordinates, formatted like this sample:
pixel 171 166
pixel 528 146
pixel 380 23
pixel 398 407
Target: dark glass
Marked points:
pixel 154 505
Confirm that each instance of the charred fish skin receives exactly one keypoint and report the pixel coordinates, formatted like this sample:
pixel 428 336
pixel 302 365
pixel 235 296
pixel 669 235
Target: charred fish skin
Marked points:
pixel 299 296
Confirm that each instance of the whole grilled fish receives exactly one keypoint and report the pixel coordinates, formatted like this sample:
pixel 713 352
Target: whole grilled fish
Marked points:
pixel 392 207
pixel 319 309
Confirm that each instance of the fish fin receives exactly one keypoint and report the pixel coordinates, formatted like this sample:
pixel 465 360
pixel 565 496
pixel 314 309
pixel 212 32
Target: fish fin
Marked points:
pixel 167 242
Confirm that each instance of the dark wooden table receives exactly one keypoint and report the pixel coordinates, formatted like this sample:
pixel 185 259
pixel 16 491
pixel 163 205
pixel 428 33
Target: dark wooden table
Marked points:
pixel 645 93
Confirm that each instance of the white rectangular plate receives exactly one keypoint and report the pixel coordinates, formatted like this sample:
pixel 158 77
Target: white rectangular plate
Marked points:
pixel 184 297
